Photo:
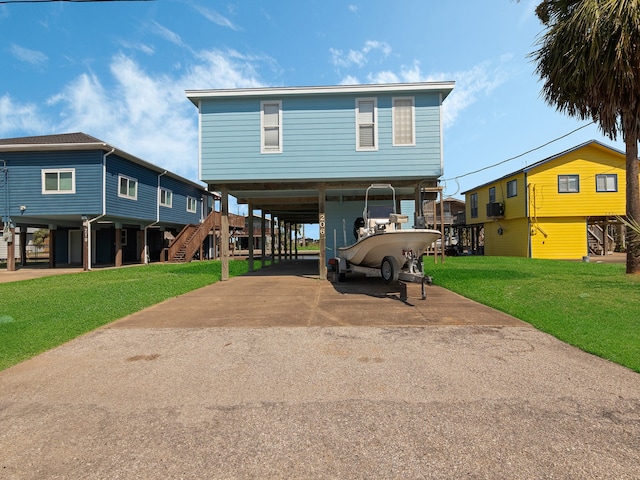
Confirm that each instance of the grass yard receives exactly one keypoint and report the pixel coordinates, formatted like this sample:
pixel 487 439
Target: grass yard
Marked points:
pixel 37 315
pixel 593 306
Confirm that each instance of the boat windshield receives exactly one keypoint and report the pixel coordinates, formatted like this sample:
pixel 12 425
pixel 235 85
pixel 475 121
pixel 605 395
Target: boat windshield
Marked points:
pixel 380 211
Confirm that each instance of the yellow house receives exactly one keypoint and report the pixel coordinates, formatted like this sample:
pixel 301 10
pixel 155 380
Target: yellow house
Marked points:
pixel 562 207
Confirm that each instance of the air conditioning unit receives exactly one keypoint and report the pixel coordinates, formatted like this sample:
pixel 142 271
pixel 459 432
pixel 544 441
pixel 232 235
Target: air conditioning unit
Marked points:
pixel 495 209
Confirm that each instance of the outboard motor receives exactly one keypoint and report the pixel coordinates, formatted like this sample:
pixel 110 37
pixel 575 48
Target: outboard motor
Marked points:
pixel 357 225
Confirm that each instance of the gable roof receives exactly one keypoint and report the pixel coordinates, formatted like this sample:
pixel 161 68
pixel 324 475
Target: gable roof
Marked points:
pixel 548 159
pixel 80 141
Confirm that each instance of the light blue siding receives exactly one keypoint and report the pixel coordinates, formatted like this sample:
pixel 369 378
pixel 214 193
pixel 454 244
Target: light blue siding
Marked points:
pixel 319 141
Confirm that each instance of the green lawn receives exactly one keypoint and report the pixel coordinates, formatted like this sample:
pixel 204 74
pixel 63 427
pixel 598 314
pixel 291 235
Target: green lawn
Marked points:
pixel 39 314
pixel 594 306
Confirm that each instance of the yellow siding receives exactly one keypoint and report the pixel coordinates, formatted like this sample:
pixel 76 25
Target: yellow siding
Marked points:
pixel 514 207
pixel 513 241
pixel 559 238
pixel 554 223
pixel 587 162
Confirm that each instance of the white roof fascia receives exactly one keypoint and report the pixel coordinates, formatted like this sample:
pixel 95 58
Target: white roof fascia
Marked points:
pixel 443 87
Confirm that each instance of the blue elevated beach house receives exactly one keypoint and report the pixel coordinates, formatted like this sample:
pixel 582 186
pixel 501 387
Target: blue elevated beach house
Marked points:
pixel 307 154
pixel 101 205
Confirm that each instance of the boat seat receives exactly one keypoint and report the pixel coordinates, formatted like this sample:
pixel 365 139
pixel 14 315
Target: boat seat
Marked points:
pixel 398 218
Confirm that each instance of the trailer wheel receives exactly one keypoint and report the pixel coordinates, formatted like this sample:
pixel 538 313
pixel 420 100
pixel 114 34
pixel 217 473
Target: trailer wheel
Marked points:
pixel 389 270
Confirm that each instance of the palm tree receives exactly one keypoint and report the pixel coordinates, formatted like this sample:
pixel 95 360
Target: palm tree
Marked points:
pixel 589 61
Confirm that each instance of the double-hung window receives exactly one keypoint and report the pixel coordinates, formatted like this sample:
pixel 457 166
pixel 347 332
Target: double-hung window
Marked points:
pixel 166 197
pixel 127 187
pixel 607 183
pixel 59 181
pixel 474 205
pixel 512 188
pixel 492 195
pixel 192 205
pixel 568 183
pixel 366 124
pixel 271 127
pixel 403 121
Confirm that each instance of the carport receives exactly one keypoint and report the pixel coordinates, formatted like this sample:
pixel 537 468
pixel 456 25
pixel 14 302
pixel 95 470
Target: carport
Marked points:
pixel 289 204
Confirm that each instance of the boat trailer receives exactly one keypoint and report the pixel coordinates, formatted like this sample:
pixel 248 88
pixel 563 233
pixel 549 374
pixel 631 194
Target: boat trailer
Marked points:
pixel 411 272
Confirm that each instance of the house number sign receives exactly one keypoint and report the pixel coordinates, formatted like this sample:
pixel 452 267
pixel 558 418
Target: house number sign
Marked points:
pixel 322 224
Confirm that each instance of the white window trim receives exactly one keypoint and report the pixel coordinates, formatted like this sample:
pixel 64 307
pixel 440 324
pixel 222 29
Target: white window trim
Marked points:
pixel 375 125
pixel 413 122
pixel 195 205
pixel 168 204
pixel 567 177
pixel 59 170
pixel 124 237
pixel 607 176
pixel 263 149
pixel 130 179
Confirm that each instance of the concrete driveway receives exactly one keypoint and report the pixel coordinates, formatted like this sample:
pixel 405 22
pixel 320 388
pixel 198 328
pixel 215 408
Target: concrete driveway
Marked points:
pixel 281 375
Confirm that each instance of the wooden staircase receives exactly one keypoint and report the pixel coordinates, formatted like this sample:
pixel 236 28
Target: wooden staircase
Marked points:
pixel 190 239
pixel 596 239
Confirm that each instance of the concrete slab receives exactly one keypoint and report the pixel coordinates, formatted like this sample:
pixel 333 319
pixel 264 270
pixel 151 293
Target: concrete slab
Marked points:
pixel 183 390
pixel 291 294
pixel 35 271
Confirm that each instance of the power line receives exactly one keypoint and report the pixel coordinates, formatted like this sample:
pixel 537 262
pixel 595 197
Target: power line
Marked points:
pixel 520 155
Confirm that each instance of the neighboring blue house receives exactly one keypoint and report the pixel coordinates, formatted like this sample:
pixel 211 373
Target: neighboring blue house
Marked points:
pixel 93 198
pixel 307 154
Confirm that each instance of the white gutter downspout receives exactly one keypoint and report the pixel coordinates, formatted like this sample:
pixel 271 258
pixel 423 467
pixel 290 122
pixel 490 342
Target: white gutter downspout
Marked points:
pixel 7 211
pixel 146 244
pixel 104 204
pixel 441 138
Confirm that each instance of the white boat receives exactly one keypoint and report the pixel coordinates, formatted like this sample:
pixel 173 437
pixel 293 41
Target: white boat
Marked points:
pixel 380 237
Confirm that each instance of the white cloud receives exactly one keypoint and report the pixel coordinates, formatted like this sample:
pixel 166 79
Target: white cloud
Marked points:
pixel 470 85
pixel 349 80
pixel 15 117
pixel 218 69
pixel 145 114
pixel 383 77
pixel 375 45
pixel 168 35
pixel 353 8
pixel 141 47
pixel 361 57
pixel 216 17
pixel 32 57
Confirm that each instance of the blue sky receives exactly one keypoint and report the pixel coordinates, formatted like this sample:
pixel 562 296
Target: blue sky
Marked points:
pixel 118 70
